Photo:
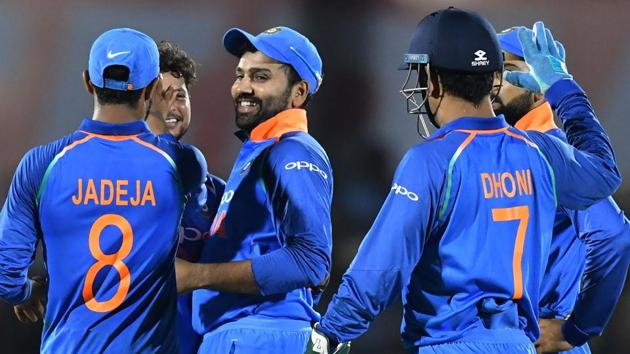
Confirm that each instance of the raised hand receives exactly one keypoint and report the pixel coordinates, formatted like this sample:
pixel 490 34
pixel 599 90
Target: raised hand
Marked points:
pixel 545 58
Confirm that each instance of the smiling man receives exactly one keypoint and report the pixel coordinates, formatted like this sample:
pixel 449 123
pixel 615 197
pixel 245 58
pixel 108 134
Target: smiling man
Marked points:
pixel 270 242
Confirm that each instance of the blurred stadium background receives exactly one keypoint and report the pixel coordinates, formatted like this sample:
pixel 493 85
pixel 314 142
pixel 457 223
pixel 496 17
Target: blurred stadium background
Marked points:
pixel 358 115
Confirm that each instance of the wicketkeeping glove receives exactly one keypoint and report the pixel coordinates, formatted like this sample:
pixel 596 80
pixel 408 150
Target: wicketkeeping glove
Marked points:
pixel 321 344
pixel 545 58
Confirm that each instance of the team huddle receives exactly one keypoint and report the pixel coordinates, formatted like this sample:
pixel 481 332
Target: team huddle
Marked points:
pixel 499 234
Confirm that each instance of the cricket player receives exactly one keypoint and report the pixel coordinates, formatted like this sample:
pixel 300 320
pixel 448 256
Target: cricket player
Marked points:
pixel 179 73
pixel 106 202
pixel 599 255
pixel 271 239
pixel 465 231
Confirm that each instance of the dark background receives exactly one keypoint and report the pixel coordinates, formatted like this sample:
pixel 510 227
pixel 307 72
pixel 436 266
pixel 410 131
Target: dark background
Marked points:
pixel 358 115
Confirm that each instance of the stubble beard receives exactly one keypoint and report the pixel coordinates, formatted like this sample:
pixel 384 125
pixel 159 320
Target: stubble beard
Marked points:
pixel 268 109
pixel 516 108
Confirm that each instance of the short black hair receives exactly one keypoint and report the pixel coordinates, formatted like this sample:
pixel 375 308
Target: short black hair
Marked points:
pixel 106 96
pixel 175 60
pixel 472 87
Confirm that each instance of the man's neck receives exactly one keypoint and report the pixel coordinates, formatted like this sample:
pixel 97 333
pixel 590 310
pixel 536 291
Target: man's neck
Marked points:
pixel 116 113
pixel 453 108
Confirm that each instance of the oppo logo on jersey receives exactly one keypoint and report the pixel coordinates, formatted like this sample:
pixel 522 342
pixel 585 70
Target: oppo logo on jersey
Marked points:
pixel 398 189
pixel 227 197
pixel 299 165
pixel 191 234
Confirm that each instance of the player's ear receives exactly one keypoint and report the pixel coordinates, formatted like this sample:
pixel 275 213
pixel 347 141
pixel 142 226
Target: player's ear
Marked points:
pixel 537 99
pixel 435 84
pixel 149 89
pixel 87 83
pixel 299 92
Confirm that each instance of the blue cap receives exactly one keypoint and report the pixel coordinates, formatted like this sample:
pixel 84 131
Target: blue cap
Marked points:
pixel 284 45
pixel 508 39
pixel 455 39
pixel 127 47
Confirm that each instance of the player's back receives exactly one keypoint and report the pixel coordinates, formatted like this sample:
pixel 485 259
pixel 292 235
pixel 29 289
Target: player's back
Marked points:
pixel 109 207
pixel 487 243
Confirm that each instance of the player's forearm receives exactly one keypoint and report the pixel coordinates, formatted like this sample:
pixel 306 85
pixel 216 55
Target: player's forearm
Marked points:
pixel 585 133
pixel 14 292
pixel 234 277
pixel 604 277
pixel 304 263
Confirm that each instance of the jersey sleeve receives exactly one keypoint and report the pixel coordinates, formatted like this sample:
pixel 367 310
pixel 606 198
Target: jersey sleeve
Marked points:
pixel 192 168
pixel 299 184
pixel 585 172
pixel 215 187
pixel 606 232
pixel 388 253
pixel 19 227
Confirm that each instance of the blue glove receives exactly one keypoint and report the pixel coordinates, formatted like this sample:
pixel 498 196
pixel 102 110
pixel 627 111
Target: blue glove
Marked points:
pixel 545 58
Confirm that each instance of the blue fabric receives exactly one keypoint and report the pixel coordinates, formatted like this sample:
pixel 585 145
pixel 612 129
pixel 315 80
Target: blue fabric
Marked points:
pixel 598 258
pixel 499 341
pixel 193 230
pixel 583 349
pixel 586 171
pixel 63 208
pixel 275 211
pixel 258 335
pixel 448 255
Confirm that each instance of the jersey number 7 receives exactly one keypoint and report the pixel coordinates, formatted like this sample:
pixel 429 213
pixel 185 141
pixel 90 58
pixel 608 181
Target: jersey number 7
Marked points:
pixel 520 213
pixel 115 260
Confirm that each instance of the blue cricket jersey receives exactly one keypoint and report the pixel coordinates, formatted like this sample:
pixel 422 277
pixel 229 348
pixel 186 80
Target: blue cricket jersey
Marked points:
pixel 596 240
pixel 275 211
pixel 106 202
pixel 465 231
pixel 194 229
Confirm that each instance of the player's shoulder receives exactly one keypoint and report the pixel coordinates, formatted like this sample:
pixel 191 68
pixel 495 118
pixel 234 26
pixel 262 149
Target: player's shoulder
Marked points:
pixel 185 156
pixel 297 145
pixel 43 155
pixel 437 149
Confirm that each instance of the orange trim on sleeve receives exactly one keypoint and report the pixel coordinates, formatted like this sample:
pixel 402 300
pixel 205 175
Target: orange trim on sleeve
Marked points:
pixel 110 137
pixel 150 146
pixel 477 131
pixel 539 119
pixel 123 138
pixel 514 135
pixel 289 120
pixel 73 145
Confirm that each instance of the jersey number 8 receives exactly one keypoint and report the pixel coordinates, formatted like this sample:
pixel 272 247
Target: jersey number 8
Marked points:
pixel 115 260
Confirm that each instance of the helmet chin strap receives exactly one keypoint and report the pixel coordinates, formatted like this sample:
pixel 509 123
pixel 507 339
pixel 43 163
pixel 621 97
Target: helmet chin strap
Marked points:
pixel 437 93
pixel 498 87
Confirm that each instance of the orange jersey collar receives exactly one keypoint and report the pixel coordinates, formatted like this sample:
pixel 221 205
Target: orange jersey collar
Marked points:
pixel 289 120
pixel 538 119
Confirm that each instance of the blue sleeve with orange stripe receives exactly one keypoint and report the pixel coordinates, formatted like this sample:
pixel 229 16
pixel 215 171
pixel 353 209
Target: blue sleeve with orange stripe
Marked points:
pixel 390 250
pixel 299 183
pixel 606 233
pixel 585 172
